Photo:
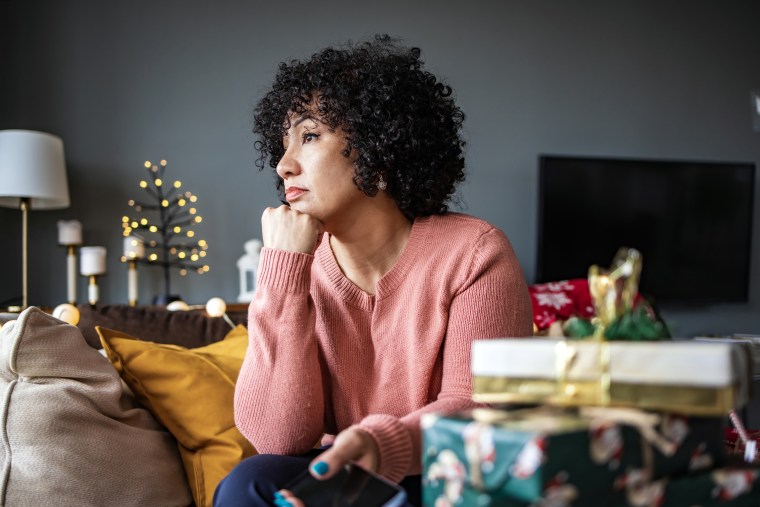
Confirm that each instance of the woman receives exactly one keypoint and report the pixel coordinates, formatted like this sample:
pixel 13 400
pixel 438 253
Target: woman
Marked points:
pixel 369 291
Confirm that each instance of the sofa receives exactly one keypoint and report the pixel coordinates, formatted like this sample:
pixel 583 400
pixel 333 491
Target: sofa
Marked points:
pixel 133 406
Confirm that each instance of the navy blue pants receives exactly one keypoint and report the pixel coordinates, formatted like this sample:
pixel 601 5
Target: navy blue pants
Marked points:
pixel 254 480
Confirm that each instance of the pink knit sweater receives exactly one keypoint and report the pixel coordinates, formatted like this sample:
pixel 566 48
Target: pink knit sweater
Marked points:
pixel 324 355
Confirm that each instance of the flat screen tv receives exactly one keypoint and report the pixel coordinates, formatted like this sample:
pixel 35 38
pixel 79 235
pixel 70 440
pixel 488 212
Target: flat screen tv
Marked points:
pixel 692 222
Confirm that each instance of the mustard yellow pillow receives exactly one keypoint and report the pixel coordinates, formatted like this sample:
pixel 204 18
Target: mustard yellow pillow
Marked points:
pixel 190 391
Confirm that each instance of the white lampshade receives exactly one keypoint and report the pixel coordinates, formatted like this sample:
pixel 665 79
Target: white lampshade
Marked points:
pixel 32 165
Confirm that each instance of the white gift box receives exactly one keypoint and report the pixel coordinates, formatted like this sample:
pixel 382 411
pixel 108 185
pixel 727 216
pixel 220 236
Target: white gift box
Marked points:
pixel 689 377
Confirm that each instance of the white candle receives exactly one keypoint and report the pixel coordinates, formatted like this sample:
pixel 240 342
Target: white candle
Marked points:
pixel 92 260
pixel 69 232
pixel 134 248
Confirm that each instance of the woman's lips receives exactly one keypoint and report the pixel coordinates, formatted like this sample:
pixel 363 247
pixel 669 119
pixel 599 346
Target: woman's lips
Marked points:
pixel 293 193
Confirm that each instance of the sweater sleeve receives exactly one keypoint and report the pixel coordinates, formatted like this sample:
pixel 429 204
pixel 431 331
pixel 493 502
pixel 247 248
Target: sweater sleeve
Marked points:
pixel 279 400
pixel 492 301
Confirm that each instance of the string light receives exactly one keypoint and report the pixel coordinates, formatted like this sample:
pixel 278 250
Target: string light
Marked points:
pixel 175 245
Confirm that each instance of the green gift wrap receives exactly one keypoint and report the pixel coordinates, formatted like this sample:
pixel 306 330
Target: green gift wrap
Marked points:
pixel 724 487
pixel 559 457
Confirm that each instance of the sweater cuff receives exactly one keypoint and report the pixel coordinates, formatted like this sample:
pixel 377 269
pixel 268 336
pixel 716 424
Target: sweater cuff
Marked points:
pixel 393 442
pixel 284 270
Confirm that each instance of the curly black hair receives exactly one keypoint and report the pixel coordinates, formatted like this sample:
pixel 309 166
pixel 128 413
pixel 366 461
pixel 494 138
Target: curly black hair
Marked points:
pixel 401 120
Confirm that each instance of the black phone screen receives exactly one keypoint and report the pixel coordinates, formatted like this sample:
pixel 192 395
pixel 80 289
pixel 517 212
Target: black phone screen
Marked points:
pixel 352 486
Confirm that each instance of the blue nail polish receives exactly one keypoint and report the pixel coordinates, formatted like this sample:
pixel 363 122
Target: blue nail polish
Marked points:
pixel 277 494
pixel 281 502
pixel 320 468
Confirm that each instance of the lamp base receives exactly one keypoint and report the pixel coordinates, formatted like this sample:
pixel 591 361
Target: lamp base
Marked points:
pixel 165 299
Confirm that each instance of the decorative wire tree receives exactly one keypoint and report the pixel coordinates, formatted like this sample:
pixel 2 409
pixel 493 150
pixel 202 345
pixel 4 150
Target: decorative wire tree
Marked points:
pixel 170 216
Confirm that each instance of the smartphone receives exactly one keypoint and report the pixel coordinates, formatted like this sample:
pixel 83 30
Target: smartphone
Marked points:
pixel 352 486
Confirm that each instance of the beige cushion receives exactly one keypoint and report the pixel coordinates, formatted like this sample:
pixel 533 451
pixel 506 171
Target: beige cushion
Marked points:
pixel 69 434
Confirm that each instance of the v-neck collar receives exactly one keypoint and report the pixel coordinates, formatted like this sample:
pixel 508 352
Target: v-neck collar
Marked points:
pixel 350 292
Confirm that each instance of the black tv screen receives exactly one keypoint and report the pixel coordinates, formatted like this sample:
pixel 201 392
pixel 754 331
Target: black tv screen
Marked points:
pixel 691 221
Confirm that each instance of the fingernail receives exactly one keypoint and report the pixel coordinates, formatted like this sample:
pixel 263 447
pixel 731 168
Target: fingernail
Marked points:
pixel 277 494
pixel 281 502
pixel 320 468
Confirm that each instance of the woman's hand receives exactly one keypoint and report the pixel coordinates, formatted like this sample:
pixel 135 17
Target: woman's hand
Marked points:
pixel 351 446
pixel 287 229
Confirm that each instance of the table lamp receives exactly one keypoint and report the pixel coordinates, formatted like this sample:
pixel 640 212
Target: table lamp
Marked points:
pixel 33 176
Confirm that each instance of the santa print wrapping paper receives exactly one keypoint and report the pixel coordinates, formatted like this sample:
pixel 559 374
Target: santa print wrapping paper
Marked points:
pixel 723 487
pixel 553 458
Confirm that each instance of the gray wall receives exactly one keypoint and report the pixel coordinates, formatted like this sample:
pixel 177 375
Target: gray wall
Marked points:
pixel 123 82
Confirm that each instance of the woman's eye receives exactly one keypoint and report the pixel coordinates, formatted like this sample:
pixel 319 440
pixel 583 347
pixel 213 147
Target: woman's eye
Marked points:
pixel 309 136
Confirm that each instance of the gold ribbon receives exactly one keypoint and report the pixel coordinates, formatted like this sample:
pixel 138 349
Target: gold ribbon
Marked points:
pixel 691 400
pixel 565 355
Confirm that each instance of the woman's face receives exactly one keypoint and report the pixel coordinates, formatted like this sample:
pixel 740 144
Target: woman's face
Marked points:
pixel 318 179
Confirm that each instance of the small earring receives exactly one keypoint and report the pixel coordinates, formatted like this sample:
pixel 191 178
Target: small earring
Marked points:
pixel 381 184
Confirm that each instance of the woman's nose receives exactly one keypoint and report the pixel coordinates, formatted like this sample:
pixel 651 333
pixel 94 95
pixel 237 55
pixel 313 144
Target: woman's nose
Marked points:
pixel 288 165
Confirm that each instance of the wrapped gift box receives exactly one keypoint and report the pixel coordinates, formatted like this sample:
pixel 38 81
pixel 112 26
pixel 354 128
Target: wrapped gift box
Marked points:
pixel 585 457
pixel 723 487
pixel 689 377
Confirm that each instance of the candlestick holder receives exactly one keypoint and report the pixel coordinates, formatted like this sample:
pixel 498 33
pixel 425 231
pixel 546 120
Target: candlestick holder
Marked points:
pixel 70 236
pixel 93 292
pixel 71 277
pixel 134 250
pixel 132 283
